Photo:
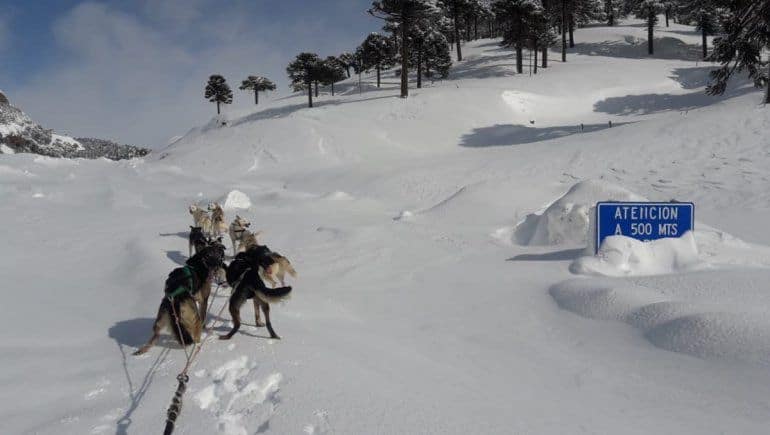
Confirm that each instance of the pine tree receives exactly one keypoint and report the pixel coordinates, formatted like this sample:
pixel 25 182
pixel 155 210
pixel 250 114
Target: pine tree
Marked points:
pixel 218 91
pixel 746 34
pixel 429 46
pixel 541 34
pixel 454 10
pixel 518 15
pixel 403 15
pixel 303 72
pixel 611 12
pixel 377 51
pixel 437 56
pixel 257 84
pixel 647 10
pixel 704 14
pixel 331 72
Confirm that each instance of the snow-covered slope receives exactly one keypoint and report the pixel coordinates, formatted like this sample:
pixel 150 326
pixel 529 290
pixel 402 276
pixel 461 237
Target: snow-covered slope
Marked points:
pixel 417 308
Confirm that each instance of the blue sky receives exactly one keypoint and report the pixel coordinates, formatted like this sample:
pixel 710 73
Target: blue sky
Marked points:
pixel 134 71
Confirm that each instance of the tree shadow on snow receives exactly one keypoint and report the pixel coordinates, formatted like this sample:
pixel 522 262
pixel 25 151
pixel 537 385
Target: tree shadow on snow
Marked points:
pixel 636 48
pixel 516 134
pixel 284 111
pixel 646 104
pixel 177 257
pixel 563 255
pixel 182 234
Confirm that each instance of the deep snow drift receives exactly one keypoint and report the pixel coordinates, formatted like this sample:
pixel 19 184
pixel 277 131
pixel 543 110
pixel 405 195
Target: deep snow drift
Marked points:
pixel 420 306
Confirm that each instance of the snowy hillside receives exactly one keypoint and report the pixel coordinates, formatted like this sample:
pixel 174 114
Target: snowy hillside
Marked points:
pixel 440 247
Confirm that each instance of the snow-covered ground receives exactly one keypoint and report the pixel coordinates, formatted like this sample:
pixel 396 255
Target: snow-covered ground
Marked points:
pixel 421 304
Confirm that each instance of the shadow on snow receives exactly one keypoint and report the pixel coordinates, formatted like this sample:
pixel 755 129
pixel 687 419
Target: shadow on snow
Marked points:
pixel 516 134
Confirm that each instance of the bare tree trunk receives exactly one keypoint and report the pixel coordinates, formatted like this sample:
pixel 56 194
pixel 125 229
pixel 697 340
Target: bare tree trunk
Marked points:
pixel 316 89
pixel 563 30
pixel 309 94
pixel 519 59
pixel 475 27
pixel 571 31
pixel 767 84
pixel 419 67
pixel 650 24
pixel 535 50
pixel 378 74
pixel 256 97
pixel 705 43
pixel 332 89
pixel 404 60
pixel 667 12
pixel 217 107
pixel 457 33
pixel 545 56
pixel 610 14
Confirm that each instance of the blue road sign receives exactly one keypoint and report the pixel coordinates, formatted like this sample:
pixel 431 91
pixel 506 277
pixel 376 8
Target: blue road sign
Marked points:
pixel 643 220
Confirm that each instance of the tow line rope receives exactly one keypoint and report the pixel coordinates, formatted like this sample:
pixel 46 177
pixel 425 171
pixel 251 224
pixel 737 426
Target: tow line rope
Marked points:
pixel 176 402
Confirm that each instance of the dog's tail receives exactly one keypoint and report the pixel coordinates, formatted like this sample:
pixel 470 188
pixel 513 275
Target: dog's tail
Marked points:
pixel 274 295
pixel 290 269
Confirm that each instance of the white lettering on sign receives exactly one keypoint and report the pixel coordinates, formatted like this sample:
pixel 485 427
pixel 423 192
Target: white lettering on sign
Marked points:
pixel 652 212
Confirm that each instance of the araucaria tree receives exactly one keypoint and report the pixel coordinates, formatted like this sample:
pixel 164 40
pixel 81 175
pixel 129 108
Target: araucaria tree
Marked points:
pixel 746 34
pixel 331 72
pixel 257 84
pixel 647 10
pixel 346 59
pixel 704 14
pixel 218 91
pixel 402 16
pixel 303 71
pixel 430 49
pixel 377 51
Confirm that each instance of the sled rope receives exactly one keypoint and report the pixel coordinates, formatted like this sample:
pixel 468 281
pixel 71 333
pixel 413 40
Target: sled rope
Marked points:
pixel 176 402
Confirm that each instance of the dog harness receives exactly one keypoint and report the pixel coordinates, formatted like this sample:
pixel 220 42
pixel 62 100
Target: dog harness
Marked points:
pixel 182 287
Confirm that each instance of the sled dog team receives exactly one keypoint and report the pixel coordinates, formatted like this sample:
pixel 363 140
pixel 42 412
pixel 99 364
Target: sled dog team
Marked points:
pixel 187 289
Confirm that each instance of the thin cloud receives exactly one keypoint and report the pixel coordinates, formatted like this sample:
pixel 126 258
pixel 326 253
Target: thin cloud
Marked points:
pixel 138 76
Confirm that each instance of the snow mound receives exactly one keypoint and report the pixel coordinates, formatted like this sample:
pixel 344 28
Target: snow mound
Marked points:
pixel 235 200
pixel 624 256
pixel 716 335
pixel 405 215
pixel 676 326
pixel 339 196
pixel 568 220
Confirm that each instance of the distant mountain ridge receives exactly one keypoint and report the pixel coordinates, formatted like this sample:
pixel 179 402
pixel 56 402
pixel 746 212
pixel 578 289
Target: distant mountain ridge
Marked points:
pixel 20 134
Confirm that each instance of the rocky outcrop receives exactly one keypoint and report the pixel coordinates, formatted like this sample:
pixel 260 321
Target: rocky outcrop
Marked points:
pixel 20 134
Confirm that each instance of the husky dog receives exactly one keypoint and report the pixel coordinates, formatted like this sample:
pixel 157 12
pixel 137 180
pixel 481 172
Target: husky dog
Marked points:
pixel 237 231
pixel 183 308
pixel 197 240
pixel 201 219
pixel 218 225
pixel 249 285
pixel 248 241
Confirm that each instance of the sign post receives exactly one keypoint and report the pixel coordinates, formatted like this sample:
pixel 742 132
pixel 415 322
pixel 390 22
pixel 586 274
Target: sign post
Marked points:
pixel 643 220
